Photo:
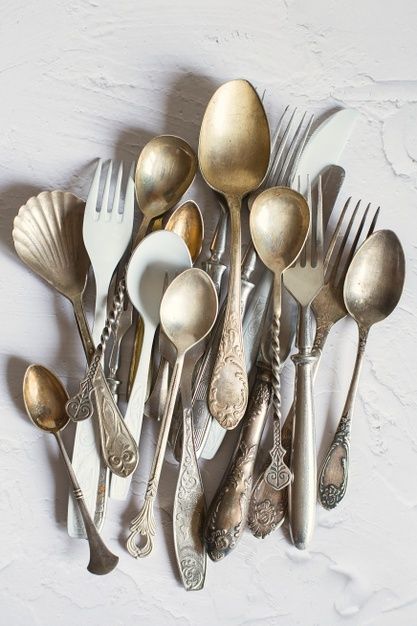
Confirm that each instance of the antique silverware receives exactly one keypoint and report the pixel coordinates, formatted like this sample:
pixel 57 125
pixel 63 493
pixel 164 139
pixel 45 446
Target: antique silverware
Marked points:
pixel 279 222
pixel 233 156
pixel 214 265
pixel 286 151
pixel 161 253
pixel 45 399
pixel 303 280
pixel 118 447
pixel 372 289
pixel 106 234
pixel 188 312
pixel 165 170
pixel 187 222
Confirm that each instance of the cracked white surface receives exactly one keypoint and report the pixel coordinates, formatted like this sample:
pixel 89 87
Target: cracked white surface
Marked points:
pixel 81 79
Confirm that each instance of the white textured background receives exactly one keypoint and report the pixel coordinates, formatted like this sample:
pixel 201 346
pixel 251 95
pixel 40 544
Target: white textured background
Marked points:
pixel 81 79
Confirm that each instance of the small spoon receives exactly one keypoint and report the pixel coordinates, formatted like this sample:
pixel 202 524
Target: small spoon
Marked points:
pixel 187 222
pixel 279 222
pixel 233 153
pixel 188 312
pixel 45 399
pixel 372 289
pixel 160 254
pixel 165 169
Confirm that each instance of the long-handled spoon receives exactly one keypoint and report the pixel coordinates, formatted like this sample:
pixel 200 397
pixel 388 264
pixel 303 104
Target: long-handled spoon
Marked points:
pixel 187 222
pixel 160 254
pixel 188 312
pixel 372 289
pixel 165 169
pixel 45 399
pixel 233 154
pixel 279 222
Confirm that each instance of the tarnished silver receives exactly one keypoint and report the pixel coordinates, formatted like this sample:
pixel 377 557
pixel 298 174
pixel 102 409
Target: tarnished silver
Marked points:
pixel 303 280
pixel 372 289
pixel 45 398
pixel 188 312
pixel 189 503
pixel 118 447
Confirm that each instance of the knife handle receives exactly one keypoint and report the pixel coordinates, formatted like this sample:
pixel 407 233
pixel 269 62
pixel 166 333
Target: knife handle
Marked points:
pixel 228 511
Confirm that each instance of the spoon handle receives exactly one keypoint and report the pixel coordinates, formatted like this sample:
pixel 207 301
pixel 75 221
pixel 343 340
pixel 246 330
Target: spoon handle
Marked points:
pixel 189 503
pixel 267 507
pixel 228 511
pixel 334 473
pixel 228 392
pixel 144 523
pixel 83 328
pixel 277 474
pixel 102 561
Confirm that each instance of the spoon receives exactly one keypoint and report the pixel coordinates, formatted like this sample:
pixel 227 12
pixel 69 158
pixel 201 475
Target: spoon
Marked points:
pixel 45 399
pixel 187 222
pixel 160 254
pixel 165 169
pixel 279 223
pixel 233 154
pixel 188 312
pixel 372 289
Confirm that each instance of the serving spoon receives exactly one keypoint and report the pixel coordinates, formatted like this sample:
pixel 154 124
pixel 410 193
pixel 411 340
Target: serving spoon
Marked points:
pixel 372 289
pixel 233 153
pixel 45 399
pixel 188 312
pixel 279 223
pixel 165 169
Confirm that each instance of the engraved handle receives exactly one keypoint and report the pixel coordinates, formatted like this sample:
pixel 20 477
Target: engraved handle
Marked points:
pixel 144 523
pixel 277 474
pixel 334 473
pixel 189 512
pixel 229 508
pixel 102 561
pixel 267 507
pixel 228 393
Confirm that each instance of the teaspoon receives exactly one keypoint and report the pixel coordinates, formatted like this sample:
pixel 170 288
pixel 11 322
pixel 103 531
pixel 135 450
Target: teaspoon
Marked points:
pixel 372 289
pixel 45 399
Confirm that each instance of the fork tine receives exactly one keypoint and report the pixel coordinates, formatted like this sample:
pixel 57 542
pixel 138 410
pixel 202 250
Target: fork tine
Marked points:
pixel 300 148
pixel 276 140
pixel 116 198
pixel 336 233
pixel 91 204
pixel 274 166
pixel 106 192
pixel 373 223
pixel 348 260
pixel 129 205
pixel 294 150
pixel 319 224
pixel 280 175
pixel 333 270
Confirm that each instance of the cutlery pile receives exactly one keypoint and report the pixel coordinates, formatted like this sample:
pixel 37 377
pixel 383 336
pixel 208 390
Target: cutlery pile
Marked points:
pixel 210 344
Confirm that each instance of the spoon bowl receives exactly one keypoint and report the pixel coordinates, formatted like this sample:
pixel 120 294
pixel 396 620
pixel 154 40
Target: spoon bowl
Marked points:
pixel 187 222
pixel 279 222
pixel 375 278
pixel 45 399
pixel 189 309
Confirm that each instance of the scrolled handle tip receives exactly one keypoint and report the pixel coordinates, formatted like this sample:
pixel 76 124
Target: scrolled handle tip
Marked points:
pixel 142 526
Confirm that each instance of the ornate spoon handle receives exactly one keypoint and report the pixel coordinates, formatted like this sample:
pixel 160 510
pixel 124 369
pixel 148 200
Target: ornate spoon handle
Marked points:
pixel 102 561
pixel 277 474
pixel 144 523
pixel 189 503
pixel 334 473
pixel 229 508
pixel 228 393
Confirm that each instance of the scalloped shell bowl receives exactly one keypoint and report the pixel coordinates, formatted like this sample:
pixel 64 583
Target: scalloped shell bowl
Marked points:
pixel 47 235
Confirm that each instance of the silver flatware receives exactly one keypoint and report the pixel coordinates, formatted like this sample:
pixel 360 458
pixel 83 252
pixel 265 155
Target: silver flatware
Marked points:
pixel 372 289
pixel 188 312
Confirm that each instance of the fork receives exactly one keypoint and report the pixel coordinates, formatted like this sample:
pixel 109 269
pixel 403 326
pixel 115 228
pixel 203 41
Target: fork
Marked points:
pixel 303 280
pixel 268 508
pixel 107 233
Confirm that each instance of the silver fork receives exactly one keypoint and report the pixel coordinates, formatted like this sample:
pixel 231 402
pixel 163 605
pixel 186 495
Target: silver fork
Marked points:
pixel 106 234
pixel 303 281
pixel 287 147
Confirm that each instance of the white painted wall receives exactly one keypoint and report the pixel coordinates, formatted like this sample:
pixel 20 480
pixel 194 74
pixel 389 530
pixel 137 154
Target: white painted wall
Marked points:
pixel 81 79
